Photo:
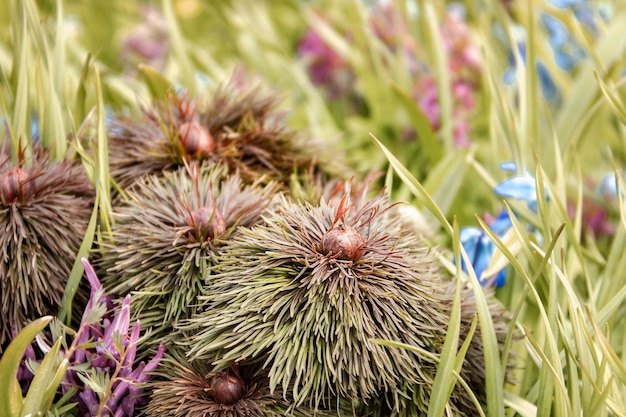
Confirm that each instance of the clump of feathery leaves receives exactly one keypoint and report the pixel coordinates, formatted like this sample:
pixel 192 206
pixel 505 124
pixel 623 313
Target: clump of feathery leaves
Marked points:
pixel 196 389
pixel 166 236
pixel 45 208
pixel 239 126
pixel 310 287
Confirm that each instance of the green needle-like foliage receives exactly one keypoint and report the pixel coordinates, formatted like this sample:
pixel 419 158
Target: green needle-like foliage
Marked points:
pixel 309 288
pixel 166 236
pixel 196 390
pixel 239 126
pixel 44 211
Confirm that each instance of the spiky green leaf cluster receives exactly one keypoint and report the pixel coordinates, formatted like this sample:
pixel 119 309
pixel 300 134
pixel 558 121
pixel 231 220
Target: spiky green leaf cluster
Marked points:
pixel 42 230
pixel 312 316
pixel 158 251
pixel 184 390
pixel 243 122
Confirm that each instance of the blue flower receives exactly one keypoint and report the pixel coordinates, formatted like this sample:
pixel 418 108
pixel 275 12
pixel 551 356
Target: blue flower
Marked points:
pixel 608 188
pixel 547 84
pixel 480 248
pixel 582 10
pixel 35 134
pixel 567 52
pixel 478 245
pixel 521 187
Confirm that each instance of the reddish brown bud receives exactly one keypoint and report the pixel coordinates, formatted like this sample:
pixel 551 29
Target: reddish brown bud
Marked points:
pixel 227 388
pixel 209 221
pixel 196 140
pixel 14 185
pixel 346 244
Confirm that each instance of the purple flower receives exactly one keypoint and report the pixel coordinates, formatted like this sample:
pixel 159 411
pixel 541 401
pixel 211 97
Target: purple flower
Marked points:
pixel 463 56
pixel 147 42
pixel 427 96
pixel 596 207
pixel 325 67
pixel 122 392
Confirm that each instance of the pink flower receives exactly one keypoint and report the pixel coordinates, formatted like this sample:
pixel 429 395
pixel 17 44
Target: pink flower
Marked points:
pixel 427 96
pixel 147 42
pixel 326 68
pixel 463 56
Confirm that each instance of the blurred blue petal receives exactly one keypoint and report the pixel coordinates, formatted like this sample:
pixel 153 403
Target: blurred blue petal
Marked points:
pixel 547 85
pixel 608 188
pixel 582 10
pixel 479 248
pixel 508 166
pixel 502 224
pixel 565 3
pixel 521 187
pixel 567 52
pixel 34 130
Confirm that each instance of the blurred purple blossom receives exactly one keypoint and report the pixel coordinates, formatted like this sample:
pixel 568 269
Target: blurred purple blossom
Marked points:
pixel 595 217
pixel 427 96
pixel 325 67
pixel 332 72
pixel 146 43
pixel 463 56
pixel 596 207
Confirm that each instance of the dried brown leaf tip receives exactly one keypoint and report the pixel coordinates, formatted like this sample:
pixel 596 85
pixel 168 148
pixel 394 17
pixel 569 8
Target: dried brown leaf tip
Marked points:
pixel 309 288
pixel 45 207
pixel 239 126
pixel 165 238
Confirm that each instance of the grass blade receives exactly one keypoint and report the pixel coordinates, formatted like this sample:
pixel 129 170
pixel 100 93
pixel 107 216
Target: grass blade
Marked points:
pixel 10 391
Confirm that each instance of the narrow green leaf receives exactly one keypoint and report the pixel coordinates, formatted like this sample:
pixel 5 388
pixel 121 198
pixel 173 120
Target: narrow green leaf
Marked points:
pixel 443 384
pixel 80 102
pixel 611 98
pixel 20 115
pixel 157 83
pixel 10 391
pixel 550 365
pixel 53 386
pixel 416 188
pixel 619 370
pixel 609 48
pixel 35 397
pixel 419 121
pixel 76 274
pixel 494 377
pixel 103 188
pixel 444 179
